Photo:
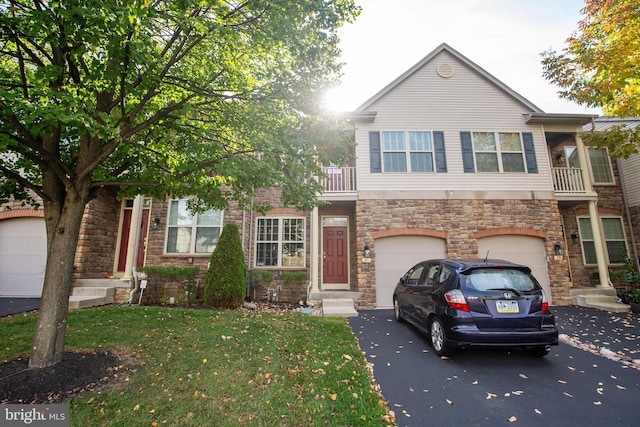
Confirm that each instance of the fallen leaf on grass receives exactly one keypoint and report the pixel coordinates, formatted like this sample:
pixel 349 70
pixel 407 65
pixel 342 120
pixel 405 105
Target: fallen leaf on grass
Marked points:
pixel 137 407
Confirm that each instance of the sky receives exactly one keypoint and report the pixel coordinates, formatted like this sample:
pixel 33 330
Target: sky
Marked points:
pixel 504 37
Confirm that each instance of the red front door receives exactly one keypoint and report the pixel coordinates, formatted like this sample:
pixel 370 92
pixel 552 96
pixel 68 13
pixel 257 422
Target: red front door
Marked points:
pixel 335 266
pixel 124 239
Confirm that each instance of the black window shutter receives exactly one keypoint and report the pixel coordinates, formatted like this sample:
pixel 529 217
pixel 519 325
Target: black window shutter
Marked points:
pixel 467 152
pixel 441 155
pixel 530 152
pixel 375 156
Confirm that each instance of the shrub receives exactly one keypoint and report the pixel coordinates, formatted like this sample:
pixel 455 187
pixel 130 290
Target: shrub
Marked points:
pixel 226 279
pixel 258 279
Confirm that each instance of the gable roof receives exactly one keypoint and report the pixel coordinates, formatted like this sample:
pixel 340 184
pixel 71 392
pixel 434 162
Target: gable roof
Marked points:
pixel 476 68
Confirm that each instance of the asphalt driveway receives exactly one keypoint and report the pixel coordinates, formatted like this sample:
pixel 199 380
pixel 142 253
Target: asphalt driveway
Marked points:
pixel 590 379
pixel 10 306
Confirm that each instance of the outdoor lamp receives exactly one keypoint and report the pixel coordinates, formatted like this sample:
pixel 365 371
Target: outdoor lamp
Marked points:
pixel 156 223
pixel 557 249
pixel 367 251
pixel 574 237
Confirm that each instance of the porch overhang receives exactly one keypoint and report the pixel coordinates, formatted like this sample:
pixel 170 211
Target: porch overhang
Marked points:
pixel 554 118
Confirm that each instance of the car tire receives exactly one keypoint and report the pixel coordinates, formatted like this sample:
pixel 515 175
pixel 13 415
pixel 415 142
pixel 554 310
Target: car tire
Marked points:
pixel 537 351
pixel 439 338
pixel 397 312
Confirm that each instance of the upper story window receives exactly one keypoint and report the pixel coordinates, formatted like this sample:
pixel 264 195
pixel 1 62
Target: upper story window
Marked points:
pixel 615 242
pixel 280 242
pixel 407 151
pixel 410 151
pixel 189 233
pixel 498 152
pixel 601 170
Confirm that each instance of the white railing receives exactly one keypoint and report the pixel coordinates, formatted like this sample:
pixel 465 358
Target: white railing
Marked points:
pixel 339 179
pixel 568 180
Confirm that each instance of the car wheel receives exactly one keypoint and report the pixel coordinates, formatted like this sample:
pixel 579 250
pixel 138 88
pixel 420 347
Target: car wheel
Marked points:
pixel 439 338
pixel 397 313
pixel 538 351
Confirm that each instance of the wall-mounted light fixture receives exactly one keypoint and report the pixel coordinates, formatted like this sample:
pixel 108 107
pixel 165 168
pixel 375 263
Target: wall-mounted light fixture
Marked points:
pixel 156 223
pixel 557 249
pixel 367 251
pixel 574 238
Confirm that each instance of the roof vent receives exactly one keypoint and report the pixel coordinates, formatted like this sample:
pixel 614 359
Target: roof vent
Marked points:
pixel 445 70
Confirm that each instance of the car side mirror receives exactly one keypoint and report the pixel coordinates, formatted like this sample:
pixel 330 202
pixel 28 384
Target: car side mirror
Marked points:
pixel 402 281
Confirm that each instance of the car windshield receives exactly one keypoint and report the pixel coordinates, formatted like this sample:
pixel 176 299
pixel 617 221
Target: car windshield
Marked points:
pixel 484 279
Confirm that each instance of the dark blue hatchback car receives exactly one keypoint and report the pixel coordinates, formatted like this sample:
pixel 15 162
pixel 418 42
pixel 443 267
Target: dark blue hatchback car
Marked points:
pixel 476 302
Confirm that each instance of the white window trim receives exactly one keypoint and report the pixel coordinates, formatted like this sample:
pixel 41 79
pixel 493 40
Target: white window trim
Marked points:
pixel 194 228
pixel 606 250
pixel 407 152
pixel 280 242
pixel 498 152
pixel 591 174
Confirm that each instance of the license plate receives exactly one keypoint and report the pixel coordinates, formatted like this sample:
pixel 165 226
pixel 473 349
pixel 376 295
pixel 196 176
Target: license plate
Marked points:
pixel 507 306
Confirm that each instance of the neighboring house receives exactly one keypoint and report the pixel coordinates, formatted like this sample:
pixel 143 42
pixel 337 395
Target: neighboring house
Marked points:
pixel 449 162
pixel 629 179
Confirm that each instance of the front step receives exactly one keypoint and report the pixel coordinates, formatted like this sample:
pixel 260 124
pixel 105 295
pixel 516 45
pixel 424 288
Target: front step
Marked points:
pixel 340 307
pixel 85 297
pixel 600 298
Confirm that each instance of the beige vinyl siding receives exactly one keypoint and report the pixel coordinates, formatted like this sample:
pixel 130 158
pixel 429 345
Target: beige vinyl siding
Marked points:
pixel 631 176
pixel 464 102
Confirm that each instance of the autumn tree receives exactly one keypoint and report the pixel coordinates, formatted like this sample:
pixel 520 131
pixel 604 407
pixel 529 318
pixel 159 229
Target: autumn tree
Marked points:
pixel 600 67
pixel 209 98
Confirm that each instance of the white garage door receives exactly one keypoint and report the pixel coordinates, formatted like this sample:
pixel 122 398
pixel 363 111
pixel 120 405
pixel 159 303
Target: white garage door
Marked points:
pixel 23 255
pixel 524 250
pixel 396 255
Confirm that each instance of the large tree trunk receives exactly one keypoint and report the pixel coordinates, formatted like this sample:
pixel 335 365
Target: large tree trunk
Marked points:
pixel 63 229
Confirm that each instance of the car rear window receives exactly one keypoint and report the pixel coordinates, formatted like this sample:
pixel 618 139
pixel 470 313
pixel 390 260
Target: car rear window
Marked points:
pixel 484 279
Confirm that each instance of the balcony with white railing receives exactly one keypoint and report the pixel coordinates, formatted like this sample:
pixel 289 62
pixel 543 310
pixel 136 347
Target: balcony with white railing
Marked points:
pixel 339 182
pixel 569 186
pixel 568 180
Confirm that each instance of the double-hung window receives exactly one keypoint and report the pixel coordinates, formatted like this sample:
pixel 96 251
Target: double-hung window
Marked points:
pixel 498 152
pixel 600 165
pixel 407 151
pixel 615 241
pixel 280 242
pixel 189 233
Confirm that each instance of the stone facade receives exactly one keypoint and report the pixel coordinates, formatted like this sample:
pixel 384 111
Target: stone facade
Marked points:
pixel 461 223
pixel 98 235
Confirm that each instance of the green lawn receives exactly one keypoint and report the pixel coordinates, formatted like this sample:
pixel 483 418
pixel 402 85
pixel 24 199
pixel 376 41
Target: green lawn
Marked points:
pixel 217 368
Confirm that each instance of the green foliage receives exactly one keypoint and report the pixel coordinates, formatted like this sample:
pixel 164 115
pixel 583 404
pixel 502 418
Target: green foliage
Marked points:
pixel 599 66
pixel 293 277
pixel 214 107
pixel 171 272
pixel 226 278
pixel 260 277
